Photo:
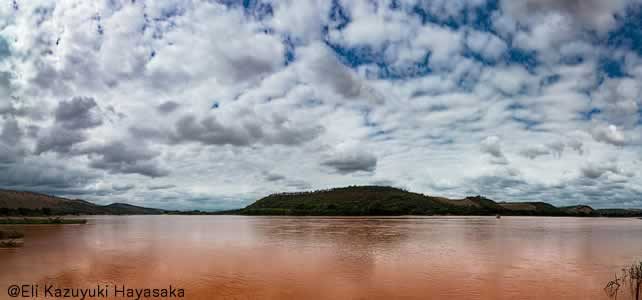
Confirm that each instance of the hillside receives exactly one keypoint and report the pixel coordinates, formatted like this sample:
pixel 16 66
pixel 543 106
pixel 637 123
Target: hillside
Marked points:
pixel 535 208
pixel 580 209
pixel 28 203
pixel 377 200
pixel 128 209
pixel 371 200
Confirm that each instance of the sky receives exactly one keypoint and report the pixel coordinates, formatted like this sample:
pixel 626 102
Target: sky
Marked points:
pixel 188 104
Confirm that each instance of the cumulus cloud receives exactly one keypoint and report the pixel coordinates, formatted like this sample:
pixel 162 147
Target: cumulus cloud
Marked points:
pixel 72 119
pixel 556 149
pixel 534 152
pixel 576 145
pixel 288 183
pixel 619 102
pixel 11 133
pixel 126 158
pixel 11 148
pixel 60 140
pixel 492 145
pixel 167 107
pixel 320 65
pixel 78 113
pixel 44 176
pixel 595 171
pixel 594 14
pixel 336 92
pixel 242 51
pixel 609 134
pixel 210 131
pixel 487 45
pixel 350 161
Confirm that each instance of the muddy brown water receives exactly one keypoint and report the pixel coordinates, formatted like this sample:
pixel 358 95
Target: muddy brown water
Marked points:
pixel 236 257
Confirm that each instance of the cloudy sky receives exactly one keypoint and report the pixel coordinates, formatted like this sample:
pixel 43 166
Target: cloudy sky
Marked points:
pixel 212 104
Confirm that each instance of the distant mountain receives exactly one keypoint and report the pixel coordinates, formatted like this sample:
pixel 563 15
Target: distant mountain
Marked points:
pixel 28 203
pixel 388 201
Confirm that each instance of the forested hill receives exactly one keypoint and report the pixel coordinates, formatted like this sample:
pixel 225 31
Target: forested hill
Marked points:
pixel 389 201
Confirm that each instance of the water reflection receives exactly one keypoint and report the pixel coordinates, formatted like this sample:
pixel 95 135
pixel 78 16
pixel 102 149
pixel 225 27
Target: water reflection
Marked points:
pixel 332 258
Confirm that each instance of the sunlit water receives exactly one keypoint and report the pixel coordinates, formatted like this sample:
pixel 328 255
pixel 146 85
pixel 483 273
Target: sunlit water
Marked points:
pixel 234 257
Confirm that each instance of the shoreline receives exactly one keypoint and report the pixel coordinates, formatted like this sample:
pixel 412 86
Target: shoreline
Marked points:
pixel 57 220
pixel 77 219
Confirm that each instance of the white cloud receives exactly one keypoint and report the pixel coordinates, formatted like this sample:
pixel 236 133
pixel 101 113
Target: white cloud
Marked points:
pixel 594 14
pixel 492 146
pixel 320 66
pixel 485 44
pixel 443 44
pixel 226 104
pixel 535 152
pixel 609 134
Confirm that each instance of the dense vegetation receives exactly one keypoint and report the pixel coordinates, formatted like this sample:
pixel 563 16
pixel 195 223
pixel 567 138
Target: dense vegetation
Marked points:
pixel 388 201
pixel 347 201
pixel 21 211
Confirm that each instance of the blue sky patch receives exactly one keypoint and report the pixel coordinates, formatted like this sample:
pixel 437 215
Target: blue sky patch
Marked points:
pixel 611 67
pixel 629 33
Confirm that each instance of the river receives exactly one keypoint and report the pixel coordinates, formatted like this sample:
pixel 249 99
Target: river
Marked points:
pixel 237 257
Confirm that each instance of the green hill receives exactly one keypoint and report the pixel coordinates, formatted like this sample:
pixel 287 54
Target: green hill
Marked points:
pixel 388 201
pixel 368 200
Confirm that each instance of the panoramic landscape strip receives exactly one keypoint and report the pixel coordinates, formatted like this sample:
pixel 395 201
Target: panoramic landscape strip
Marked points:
pixel 346 201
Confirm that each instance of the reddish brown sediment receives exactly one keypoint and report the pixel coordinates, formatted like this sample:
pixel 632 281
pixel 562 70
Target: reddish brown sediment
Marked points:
pixel 234 257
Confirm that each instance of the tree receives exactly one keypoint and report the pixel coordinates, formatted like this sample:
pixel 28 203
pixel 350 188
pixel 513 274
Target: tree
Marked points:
pixel 24 211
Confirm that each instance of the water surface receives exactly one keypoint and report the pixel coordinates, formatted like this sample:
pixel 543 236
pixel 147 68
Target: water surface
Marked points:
pixel 235 257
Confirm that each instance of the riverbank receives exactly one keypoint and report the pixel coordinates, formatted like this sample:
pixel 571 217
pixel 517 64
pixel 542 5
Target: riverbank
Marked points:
pixel 27 221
